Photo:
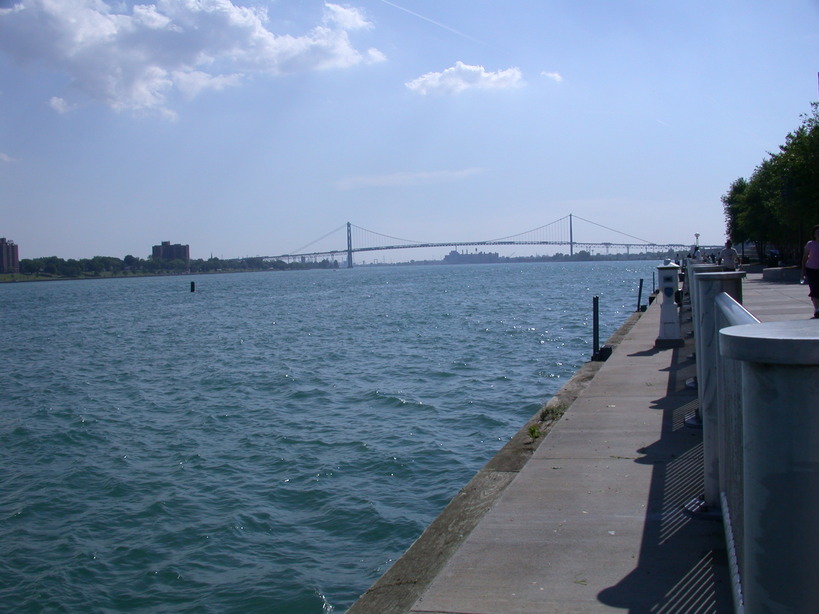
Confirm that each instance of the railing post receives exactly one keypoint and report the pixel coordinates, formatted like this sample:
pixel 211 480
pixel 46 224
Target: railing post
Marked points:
pixel 691 286
pixel 780 388
pixel 692 270
pixel 709 286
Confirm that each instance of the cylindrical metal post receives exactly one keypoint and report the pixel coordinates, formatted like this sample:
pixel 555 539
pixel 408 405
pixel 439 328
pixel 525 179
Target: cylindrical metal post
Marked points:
pixel 691 286
pixel 596 324
pixel 640 294
pixel 693 269
pixel 780 388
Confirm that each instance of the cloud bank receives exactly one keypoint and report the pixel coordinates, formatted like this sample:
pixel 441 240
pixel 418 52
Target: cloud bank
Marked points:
pixel 135 59
pixel 462 77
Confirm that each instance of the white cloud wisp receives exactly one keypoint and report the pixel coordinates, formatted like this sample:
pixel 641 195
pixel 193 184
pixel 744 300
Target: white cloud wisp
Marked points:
pixel 462 77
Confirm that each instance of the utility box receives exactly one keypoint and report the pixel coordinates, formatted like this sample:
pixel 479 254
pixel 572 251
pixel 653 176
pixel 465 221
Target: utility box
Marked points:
pixel 670 335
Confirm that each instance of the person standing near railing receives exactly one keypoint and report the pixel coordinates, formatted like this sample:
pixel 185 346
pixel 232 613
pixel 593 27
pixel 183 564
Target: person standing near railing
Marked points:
pixel 810 269
pixel 728 257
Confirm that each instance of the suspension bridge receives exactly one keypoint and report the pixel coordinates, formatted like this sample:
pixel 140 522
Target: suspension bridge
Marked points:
pixel 561 232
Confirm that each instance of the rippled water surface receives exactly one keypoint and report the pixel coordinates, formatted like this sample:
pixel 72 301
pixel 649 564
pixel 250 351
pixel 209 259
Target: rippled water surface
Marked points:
pixel 273 441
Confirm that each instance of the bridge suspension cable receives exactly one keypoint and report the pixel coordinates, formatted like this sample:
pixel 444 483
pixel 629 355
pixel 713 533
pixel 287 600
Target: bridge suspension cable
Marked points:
pixel 378 234
pixel 562 232
pixel 301 249
pixel 625 234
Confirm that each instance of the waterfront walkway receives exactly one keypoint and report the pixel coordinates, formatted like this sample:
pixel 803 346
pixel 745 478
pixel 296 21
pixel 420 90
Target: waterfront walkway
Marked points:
pixel 598 519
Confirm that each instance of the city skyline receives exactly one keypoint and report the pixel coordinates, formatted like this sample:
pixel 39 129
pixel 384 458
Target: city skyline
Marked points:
pixel 250 128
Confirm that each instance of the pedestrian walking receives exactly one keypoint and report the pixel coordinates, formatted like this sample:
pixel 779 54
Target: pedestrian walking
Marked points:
pixel 810 269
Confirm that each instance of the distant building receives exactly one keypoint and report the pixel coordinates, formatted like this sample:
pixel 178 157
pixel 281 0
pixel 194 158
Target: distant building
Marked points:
pixel 166 251
pixel 9 259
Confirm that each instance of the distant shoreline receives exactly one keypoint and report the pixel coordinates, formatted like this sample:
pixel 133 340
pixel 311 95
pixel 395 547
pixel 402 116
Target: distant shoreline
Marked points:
pixel 26 278
pixel 465 259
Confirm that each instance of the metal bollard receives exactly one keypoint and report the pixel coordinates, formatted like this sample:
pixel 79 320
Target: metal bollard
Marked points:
pixel 670 336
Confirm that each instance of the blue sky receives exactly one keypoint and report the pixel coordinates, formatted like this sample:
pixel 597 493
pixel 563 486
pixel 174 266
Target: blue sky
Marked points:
pixel 254 127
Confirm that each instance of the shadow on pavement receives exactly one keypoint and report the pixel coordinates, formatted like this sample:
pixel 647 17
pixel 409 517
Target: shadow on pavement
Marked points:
pixel 682 567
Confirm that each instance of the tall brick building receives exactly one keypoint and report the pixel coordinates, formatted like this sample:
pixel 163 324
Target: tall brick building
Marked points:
pixel 166 251
pixel 9 259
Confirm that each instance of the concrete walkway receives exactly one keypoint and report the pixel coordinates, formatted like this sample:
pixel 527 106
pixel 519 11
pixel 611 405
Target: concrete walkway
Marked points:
pixel 772 302
pixel 597 519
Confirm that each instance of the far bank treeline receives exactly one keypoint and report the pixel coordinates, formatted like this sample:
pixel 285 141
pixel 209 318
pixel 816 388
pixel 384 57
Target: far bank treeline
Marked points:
pixel 101 266
pixel 779 204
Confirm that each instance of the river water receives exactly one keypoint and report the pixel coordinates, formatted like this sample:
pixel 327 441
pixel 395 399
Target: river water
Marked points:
pixel 273 441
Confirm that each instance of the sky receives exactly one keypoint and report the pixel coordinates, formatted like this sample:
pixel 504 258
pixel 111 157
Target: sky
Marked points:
pixel 255 127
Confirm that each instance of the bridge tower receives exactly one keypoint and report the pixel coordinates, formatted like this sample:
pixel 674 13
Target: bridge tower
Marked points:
pixel 349 246
pixel 571 237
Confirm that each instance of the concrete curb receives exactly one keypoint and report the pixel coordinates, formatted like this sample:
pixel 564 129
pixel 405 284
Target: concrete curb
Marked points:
pixel 789 275
pixel 407 579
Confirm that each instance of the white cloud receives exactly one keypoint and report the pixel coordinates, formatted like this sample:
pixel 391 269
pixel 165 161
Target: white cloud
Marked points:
pixel 345 17
pixel 5 158
pixel 402 179
pixel 554 76
pixel 59 105
pixel 464 76
pixel 135 60
pixel 192 82
pixel 150 17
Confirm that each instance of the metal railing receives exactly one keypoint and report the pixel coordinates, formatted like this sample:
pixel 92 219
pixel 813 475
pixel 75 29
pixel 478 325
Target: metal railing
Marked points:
pixel 758 389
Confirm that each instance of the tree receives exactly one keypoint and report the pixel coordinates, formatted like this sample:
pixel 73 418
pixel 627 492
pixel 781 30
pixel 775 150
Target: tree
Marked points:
pixel 732 204
pixel 799 169
pixel 70 268
pixel 779 204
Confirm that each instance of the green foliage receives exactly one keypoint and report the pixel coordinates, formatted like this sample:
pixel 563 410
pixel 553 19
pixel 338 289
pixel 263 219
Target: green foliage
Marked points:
pixel 534 432
pixel 779 204
pixel 550 413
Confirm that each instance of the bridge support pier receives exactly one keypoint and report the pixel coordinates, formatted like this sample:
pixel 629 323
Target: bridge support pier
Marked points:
pixel 349 246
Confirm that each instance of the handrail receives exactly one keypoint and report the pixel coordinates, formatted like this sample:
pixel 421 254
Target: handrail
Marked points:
pixel 734 313
pixel 729 415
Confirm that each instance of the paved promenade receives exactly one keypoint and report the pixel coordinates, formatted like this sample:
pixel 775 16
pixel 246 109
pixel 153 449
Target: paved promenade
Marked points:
pixel 596 520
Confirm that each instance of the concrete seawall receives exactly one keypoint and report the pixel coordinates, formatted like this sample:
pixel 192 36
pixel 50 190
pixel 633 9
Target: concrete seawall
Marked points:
pixel 407 579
